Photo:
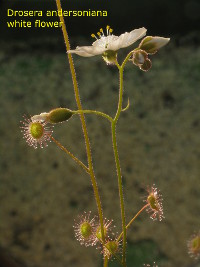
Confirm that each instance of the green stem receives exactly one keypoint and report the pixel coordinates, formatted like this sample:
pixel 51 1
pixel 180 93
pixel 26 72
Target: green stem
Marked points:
pixel 119 109
pixel 126 59
pixel 116 154
pixel 99 113
pixel 118 168
pixel 105 263
pixel 70 154
pixel 119 175
pixel 133 219
pixel 83 123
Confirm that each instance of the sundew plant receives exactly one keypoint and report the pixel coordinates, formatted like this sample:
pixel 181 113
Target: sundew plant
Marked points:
pixel 94 229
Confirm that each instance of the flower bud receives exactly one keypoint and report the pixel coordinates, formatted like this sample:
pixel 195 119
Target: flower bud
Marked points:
pixel 152 44
pixel 84 229
pixel 154 201
pixel 106 229
pixel 140 59
pixel 59 115
pixel 146 66
pixel 36 132
pixel 99 234
pixel 111 248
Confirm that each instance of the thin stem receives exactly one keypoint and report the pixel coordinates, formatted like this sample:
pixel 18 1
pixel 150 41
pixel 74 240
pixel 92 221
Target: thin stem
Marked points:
pixel 117 64
pixel 99 113
pixel 82 118
pixel 127 58
pixel 119 175
pixel 117 162
pixel 105 263
pixel 120 94
pixel 132 220
pixel 70 154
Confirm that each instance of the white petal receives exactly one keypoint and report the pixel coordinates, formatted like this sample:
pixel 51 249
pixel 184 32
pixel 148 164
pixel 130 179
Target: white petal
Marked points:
pixel 105 40
pixel 127 39
pixel 41 117
pixel 87 51
pixel 159 41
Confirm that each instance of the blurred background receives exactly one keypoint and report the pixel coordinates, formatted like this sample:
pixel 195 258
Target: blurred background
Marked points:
pixel 42 191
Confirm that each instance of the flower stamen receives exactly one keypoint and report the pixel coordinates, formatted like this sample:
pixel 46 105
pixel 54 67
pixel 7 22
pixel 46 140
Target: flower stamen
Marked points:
pixel 94 36
pixel 101 31
pixel 101 34
pixel 107 41
pixel 107 29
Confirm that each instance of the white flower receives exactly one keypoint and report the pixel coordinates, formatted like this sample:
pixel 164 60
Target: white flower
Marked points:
pixel 109 43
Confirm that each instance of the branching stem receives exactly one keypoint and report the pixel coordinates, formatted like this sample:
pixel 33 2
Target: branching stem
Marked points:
pixel 117 162
pixel 133 219
pixel 70 154
pixel 99 113
pixel 83 123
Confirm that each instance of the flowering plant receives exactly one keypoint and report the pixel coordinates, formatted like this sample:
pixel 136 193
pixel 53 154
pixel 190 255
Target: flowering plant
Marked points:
pixel 92 230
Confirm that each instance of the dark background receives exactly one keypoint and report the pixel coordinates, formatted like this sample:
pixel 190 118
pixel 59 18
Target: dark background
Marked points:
pixel 168 18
